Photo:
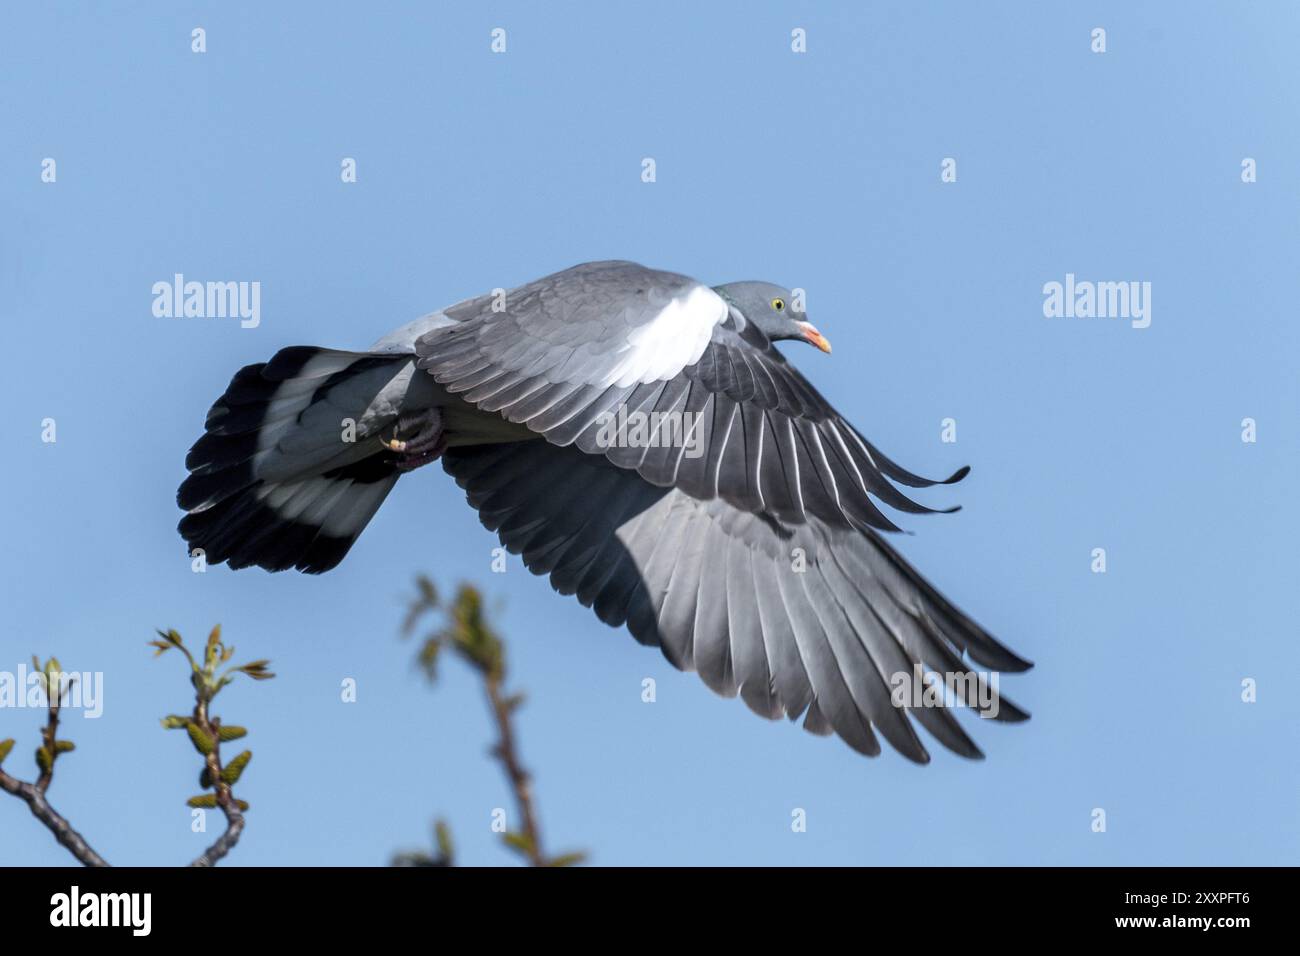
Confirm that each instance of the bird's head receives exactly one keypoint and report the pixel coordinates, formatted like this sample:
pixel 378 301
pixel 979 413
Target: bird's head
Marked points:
pixel 777 311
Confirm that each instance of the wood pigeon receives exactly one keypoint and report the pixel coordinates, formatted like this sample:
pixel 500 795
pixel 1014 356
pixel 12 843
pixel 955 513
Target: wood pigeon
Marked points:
pixel 634 435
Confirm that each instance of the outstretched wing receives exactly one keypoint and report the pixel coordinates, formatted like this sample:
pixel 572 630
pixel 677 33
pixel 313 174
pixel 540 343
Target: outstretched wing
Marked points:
pixel 728 417
pixel 807 619
pixel 737 533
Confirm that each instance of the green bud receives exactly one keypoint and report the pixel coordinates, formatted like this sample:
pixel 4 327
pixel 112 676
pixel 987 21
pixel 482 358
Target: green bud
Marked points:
pixel 231 733
pixel 63 746
pixel 212 651
pixel 242 804
pixel 204 801
pixel 231 772
pixel 202 742
pixel 175 722
pixel 519 840
pixel 442 835
pixel 6 746
pixel 43 759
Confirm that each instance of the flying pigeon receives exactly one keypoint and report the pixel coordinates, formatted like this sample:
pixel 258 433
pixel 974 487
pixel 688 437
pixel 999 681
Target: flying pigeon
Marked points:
pixel 634 435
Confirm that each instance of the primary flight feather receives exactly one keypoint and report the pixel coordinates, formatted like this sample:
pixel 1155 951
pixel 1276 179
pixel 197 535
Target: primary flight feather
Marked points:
pixel 731 523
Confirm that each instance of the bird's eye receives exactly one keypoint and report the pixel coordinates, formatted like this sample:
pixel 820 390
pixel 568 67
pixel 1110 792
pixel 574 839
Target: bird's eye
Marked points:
pixel 778 304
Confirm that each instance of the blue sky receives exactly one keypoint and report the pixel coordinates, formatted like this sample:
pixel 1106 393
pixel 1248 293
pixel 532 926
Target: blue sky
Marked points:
pixel 819 170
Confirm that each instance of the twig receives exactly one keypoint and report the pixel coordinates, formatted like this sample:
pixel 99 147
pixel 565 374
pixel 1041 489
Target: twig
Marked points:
pixel 520 779
pixel 50 732
pixel 468 632
pixel 206 733
pixel 225 798
pixel 56 824
pixel 33 794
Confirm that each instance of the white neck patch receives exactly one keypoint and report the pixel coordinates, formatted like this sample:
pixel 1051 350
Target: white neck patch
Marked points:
pixel 675 338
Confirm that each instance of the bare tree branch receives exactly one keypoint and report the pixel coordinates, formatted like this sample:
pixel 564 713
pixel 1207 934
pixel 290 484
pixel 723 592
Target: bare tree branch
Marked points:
pixel 225 797
pixel 54 685
pixel 468 632
pixel 56 824
pixel 520 779
pixel 205 732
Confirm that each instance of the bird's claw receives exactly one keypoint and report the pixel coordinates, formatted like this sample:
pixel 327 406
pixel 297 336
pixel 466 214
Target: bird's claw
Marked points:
pixel 425 443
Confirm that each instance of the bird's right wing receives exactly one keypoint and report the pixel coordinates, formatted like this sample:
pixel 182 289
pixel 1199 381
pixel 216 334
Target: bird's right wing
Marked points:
pixel 804 619
pixel 594 326
pixel 729 417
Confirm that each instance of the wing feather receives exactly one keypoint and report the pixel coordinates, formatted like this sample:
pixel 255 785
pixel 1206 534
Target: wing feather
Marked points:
pixel 567 353
pixel 798 619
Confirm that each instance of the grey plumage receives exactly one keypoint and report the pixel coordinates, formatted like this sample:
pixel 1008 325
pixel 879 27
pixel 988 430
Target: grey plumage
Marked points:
pixel 695 554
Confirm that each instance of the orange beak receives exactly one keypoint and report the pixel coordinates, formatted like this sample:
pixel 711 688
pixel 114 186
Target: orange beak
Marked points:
pixel 814 337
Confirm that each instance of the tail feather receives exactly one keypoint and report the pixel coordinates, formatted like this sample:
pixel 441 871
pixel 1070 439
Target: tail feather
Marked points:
pixel 273 483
